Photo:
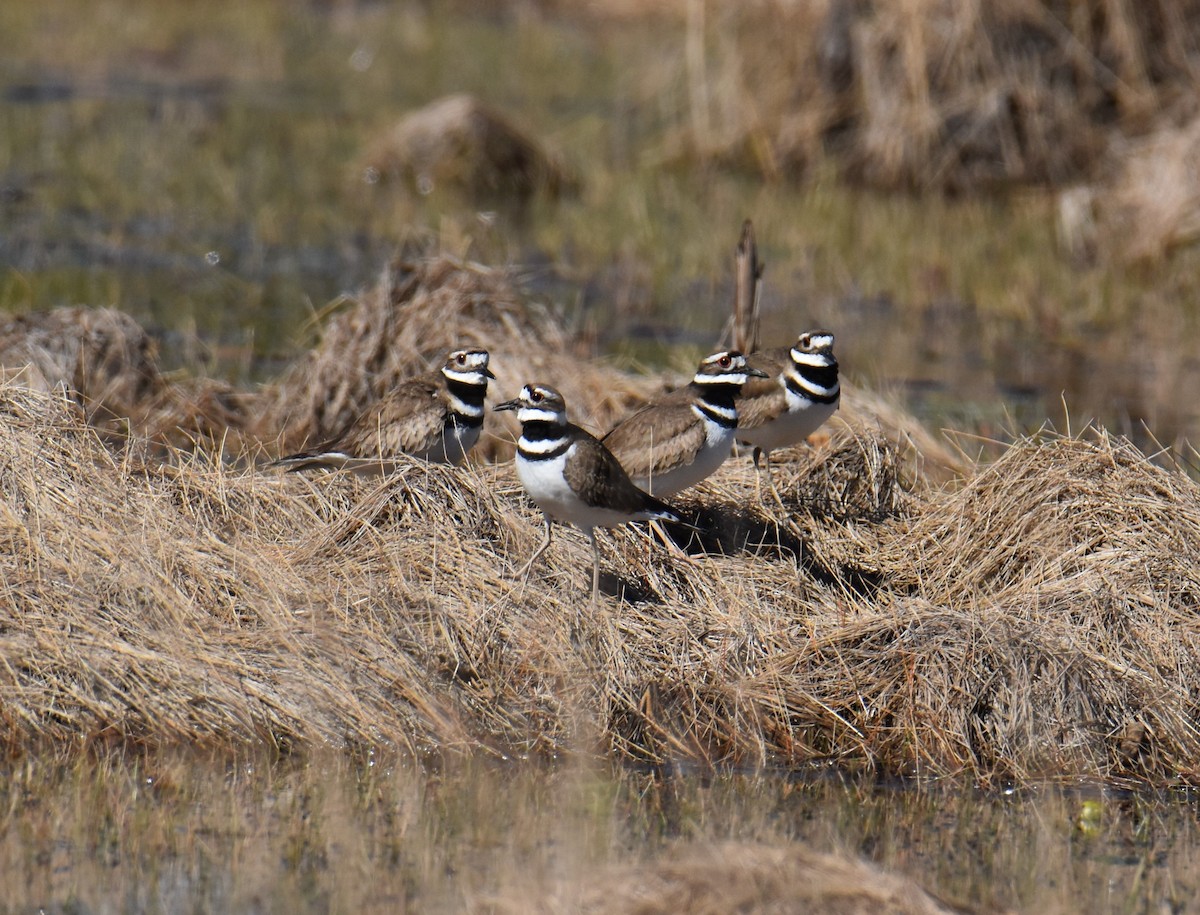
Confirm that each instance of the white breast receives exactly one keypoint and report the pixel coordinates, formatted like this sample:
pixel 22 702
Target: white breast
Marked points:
pixel 547 487
pixel 718 441
pixel 460 439
pixel 802 419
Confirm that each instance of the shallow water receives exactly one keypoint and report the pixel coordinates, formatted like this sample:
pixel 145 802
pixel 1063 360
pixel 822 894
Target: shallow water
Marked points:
pixel 177 834
pixel 198 166
pixel 201 167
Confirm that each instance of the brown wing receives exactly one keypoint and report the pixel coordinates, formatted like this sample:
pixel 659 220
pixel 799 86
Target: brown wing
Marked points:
pixel 665 435
pixel 599 479
pixel 771 361
pixel 762 399
pixel 408 420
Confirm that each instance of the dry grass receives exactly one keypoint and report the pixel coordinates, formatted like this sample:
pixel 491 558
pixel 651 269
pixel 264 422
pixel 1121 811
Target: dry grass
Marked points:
pixel 927 93
pixel 1038 621
pixel 460 142
pixel 741 877
pixel 1036 618
pixel 109 365
pixel 1151 204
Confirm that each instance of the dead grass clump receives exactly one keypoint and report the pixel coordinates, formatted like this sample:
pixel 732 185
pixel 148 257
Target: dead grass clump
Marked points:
pixel 1152 203
pixel 419 311
pixel 153 605
pixel 932 93
pixel 459 142
pixel 108 363
pixel 1036 620
pixel 101 355
pixel 1073 565
pixel 741 877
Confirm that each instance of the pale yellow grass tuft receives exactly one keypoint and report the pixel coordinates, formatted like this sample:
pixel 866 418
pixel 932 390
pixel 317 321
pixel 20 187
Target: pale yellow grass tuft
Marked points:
pixel 1037 620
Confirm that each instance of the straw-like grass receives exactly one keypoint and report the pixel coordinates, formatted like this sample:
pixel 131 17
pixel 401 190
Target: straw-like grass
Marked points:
pixel 1151 204
pixel 1037 621
pixel 459 141
pixel 1036 618
pixel 419 311
pixel 930 94
pixel 109 365
pixel 713 878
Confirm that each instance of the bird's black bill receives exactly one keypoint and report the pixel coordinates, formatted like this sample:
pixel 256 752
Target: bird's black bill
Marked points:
pixel 507 405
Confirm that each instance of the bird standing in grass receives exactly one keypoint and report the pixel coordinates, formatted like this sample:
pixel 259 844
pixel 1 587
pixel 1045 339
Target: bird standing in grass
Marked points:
pixel 572 477
pixel 677 441
pixel 435 417
pixel 801 392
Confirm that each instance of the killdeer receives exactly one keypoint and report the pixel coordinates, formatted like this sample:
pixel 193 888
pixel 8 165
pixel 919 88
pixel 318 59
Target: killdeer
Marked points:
pixel 571 476
pixel 436 417
pixel 679 440
pixel 801 393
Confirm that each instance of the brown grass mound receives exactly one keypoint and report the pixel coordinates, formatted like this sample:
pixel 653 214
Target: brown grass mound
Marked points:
pixel 99 354
pixel 741 877
pixel 107 362
pixel 1152 204
pixel 418 312
pixel 1037 621
pixel 460 142
pixel 932 93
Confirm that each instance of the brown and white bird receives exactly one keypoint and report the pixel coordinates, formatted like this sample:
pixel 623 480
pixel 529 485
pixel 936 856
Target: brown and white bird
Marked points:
pixel 677 441
pixel 801 393
pixel 571 476
pixel 435 417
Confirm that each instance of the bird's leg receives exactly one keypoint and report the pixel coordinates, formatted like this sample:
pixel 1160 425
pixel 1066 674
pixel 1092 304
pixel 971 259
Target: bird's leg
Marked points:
pixel 595 569
pixel 771 482
pixel 659 533
pixel 770 478
pixel 525 569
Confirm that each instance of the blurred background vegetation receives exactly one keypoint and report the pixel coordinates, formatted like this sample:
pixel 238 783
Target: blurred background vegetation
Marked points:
pixel 993 205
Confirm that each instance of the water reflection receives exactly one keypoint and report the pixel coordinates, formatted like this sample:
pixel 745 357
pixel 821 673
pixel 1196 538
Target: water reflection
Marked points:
pixel 178 833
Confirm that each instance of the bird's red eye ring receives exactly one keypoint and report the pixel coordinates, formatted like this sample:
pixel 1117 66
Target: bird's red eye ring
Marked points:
pixel 536 396
pixel 462 358
pixel 725 362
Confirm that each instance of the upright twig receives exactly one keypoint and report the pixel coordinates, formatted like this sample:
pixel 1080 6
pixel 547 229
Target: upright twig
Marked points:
pixel 748 272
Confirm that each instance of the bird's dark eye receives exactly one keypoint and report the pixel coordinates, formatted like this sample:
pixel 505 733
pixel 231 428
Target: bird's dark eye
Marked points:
pixel 725 362
pixel 462 358
pixel 536 396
